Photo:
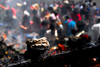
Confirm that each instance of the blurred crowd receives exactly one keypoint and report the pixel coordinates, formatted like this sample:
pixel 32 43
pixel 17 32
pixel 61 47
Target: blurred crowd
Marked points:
pixel 55 21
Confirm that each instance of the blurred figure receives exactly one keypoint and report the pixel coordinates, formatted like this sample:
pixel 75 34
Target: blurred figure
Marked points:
pixel 58 21
pixel 10 20
pixel 61 38
pixel 93 11
pixel 80 29
pixel 51 34
pixel 95 31
pixel 81 26
pixel 45 26
pixel 76 15
pixel 64 8
pixel 25 24
pixel 84 13
pixel 69 25
pixel 35 18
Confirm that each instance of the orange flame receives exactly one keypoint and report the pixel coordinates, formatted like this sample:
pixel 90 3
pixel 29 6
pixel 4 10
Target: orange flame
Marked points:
pixel 5 37
pixel 62 47
pixel 23 51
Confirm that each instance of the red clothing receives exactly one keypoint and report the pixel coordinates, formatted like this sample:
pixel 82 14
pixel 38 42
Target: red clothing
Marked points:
pixel 76 17
pixel 14 11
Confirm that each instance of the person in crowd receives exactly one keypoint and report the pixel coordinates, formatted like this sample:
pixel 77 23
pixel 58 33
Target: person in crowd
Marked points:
pixel 84 13
pixel 51 34
pixel 69 25
pixel 10 20
pixel 54 18
pixel 91 2
pixel 58 21
pixel 95 31
pixel 80 28
pixel 64 7
pixel 93 12
pixel 45 26
pixel 36 21
pixel 76 15
pixel 25 24
pixel 50 9
pixel 61 38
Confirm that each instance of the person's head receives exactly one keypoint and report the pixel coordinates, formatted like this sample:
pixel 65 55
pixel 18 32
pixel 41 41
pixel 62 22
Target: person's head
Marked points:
pixel 9 13
pixel 75 11
pixel 81 25
pixel 50 9
pixel 94 4
pixel 84 6
pixel 45 24
pixel 74 31
pixel 67 17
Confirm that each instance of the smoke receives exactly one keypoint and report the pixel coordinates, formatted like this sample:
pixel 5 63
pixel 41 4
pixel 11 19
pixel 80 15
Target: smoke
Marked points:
pixel 14 33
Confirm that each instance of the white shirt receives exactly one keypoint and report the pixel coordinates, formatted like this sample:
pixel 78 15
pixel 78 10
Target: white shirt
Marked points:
pixel 95 32
pixel 49 36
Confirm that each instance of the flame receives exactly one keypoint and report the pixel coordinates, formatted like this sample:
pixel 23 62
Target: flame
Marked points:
pixel 94 59
pixel 62 47
pixel 65 65
pixel 23 51
pixel 53 48
pixel 5 37
pixel 9 57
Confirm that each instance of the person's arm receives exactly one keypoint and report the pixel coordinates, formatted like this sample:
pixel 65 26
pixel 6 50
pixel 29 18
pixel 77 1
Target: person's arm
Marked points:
pixel 97 11
pixel 22 26
pixel 79 17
